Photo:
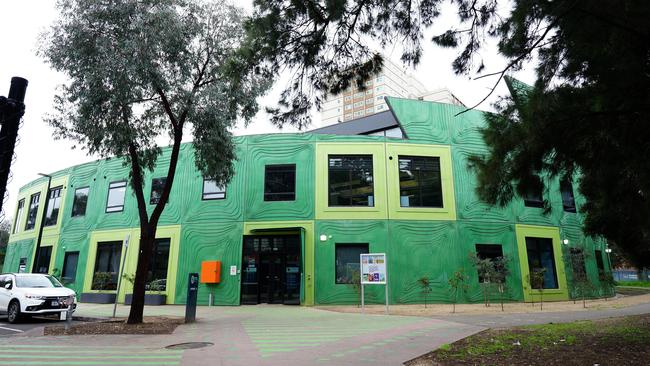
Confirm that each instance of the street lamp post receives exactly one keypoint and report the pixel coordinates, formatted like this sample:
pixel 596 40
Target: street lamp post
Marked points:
pixel 40 227
pixel 609 260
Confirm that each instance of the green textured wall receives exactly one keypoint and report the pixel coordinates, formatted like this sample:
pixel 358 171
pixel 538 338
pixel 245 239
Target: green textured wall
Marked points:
pixel 417 245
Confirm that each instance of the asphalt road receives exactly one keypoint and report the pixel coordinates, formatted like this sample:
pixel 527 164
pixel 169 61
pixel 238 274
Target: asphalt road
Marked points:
pixel 7 329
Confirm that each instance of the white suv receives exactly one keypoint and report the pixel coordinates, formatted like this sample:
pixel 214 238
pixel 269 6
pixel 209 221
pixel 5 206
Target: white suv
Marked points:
pixel 24 294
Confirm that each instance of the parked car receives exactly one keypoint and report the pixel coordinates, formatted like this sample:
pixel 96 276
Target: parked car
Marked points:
pixel 26 294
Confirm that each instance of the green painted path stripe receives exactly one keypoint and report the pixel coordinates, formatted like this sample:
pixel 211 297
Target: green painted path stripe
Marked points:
pixel 67 351
pixel 18 363
pixel 5 355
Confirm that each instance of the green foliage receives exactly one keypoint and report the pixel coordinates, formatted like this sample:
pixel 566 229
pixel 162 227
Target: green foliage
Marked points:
pixel 101 281
pixel 631 283
pixel 536 281
pixel 493 273
pixel 425 287
pixel 457 285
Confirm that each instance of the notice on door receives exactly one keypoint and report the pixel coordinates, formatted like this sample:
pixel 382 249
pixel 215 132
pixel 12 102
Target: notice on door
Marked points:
pixel 373 269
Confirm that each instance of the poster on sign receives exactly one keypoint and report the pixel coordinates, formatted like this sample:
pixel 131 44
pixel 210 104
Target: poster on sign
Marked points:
pixel 373 269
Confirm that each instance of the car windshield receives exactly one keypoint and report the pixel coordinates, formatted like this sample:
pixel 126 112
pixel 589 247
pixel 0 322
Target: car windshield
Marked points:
pixel 37 282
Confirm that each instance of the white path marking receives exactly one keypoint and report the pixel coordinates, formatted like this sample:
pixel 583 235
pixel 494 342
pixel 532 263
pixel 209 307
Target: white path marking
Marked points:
pixel 12 329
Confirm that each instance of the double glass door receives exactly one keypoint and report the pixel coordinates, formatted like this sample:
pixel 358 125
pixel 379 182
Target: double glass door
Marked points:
pixel 271 270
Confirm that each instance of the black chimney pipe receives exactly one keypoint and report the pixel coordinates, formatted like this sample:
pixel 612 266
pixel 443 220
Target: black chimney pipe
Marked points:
pixel 12 109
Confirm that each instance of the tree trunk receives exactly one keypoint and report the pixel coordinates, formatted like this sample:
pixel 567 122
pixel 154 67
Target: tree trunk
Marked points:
pixel 147 238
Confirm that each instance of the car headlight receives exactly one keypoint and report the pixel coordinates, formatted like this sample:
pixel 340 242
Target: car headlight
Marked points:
pixel 35 297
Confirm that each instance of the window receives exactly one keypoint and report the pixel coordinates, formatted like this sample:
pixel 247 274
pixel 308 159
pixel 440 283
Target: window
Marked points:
pixel 358 95
pixel 22 265
pixel 577 262
pixel 350 180
pixel 70 261
pixel 599 261
pixel 488 251
pixel 116 194
pixel 43 256
pixel 347 261
pixel 568 202
pixel 212 191
pixel 379 88
pixel 80 201
pixel 348 98
pixel 348 115
pixel 369 91
pixel 107 265
pixel 533 198
pixel 380 107
pixel 19 215
pixel 358 113
pixel 369 82
pixel 370 102
pixel 380 98
pixel 358 104
pixel 348 107
pixel 53 206
pixel 541 256
pixel 420 184
pixel 157 275
pixel 379 79
pixel 370 110
pixel 157 187
pixel 280 182
pixel 33 211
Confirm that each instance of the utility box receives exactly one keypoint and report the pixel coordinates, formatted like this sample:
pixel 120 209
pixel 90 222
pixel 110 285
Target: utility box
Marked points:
pixel 210 271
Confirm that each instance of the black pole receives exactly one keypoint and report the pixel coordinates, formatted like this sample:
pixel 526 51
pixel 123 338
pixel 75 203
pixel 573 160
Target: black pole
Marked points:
pixel 12 109
pixel 42 224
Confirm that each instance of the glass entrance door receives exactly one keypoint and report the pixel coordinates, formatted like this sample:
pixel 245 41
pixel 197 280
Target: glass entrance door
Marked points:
pixel 271 269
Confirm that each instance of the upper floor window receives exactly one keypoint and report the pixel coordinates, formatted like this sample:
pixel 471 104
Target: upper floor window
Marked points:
pixel 419 181
pixel 280 182
pixel 212 191
pixel 568 201
pixel 533 197
pixel 19 215
pixel 80 201
pixel 53 206
pixel 350 180
pixel 116 195
pixel 157 187
pixel 33 211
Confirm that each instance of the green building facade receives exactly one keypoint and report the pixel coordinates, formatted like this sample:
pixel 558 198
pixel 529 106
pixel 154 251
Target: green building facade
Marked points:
pixel 301 207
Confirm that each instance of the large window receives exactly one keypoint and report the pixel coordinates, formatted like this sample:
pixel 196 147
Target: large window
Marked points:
pixel 80 201
pixel 568 201
pixel 33 211
pixel 350 180
pixel 19 215
pixel 348 257
pixel 533 198
pixel 116 194
pixel 599 261
pixel 280 182
pixel 107 265
pixel 69 273
pixel 43 256
pixel 577 262
pixel 53 206
pixel 157 275
pixel 540 256
pixel 157 186
pixel 211 191
pixel 419 181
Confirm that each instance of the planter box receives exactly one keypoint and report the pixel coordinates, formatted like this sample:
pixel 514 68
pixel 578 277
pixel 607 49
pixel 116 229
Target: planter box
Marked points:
pixel 149 299
pixel 97 298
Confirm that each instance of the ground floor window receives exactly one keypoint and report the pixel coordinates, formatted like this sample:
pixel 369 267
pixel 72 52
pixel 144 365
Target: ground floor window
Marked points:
pixel 599 261
pixel 69 273
pixel 107 265
pixel 157 275
pixel 43 256
pixel 541 257
pixel 488 251
pixel 347 261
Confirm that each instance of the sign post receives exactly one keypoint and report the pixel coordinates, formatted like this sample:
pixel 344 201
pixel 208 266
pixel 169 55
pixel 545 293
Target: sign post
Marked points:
pixel 373 272
pixel 125 244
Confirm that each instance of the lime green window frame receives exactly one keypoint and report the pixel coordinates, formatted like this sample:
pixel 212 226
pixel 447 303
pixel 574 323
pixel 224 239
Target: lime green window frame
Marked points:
pixel 553 233
pixel 443 153
pixel 323 210
pixel 172 232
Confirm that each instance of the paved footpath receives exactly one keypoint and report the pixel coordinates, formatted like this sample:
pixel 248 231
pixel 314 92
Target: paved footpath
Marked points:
pixel 247 335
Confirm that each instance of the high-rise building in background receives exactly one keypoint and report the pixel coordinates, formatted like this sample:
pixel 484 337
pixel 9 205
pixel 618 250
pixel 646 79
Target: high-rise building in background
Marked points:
pixel 393 81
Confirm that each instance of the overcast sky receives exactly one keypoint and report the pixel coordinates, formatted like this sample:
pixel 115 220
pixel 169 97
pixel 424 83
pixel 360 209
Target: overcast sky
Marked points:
pixel 38 151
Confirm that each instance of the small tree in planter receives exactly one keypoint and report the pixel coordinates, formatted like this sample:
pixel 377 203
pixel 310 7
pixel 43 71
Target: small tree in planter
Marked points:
pixel 500 276
pixel 356 285
pixel 101 281
pixel 536 280
pixel 425 288
pixel 457 284
pixel 486 274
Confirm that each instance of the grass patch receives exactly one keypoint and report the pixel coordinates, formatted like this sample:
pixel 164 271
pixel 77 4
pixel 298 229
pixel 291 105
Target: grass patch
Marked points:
pixel 634 283
pixel 607 341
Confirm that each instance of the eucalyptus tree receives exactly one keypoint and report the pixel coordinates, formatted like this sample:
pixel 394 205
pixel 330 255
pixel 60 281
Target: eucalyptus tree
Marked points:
pixel 144 70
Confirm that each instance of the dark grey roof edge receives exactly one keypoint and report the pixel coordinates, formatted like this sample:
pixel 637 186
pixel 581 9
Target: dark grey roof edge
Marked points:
pixel 360 126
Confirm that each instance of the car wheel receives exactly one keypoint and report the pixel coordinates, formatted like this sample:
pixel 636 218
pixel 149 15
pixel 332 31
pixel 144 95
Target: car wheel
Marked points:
pixel 13 312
